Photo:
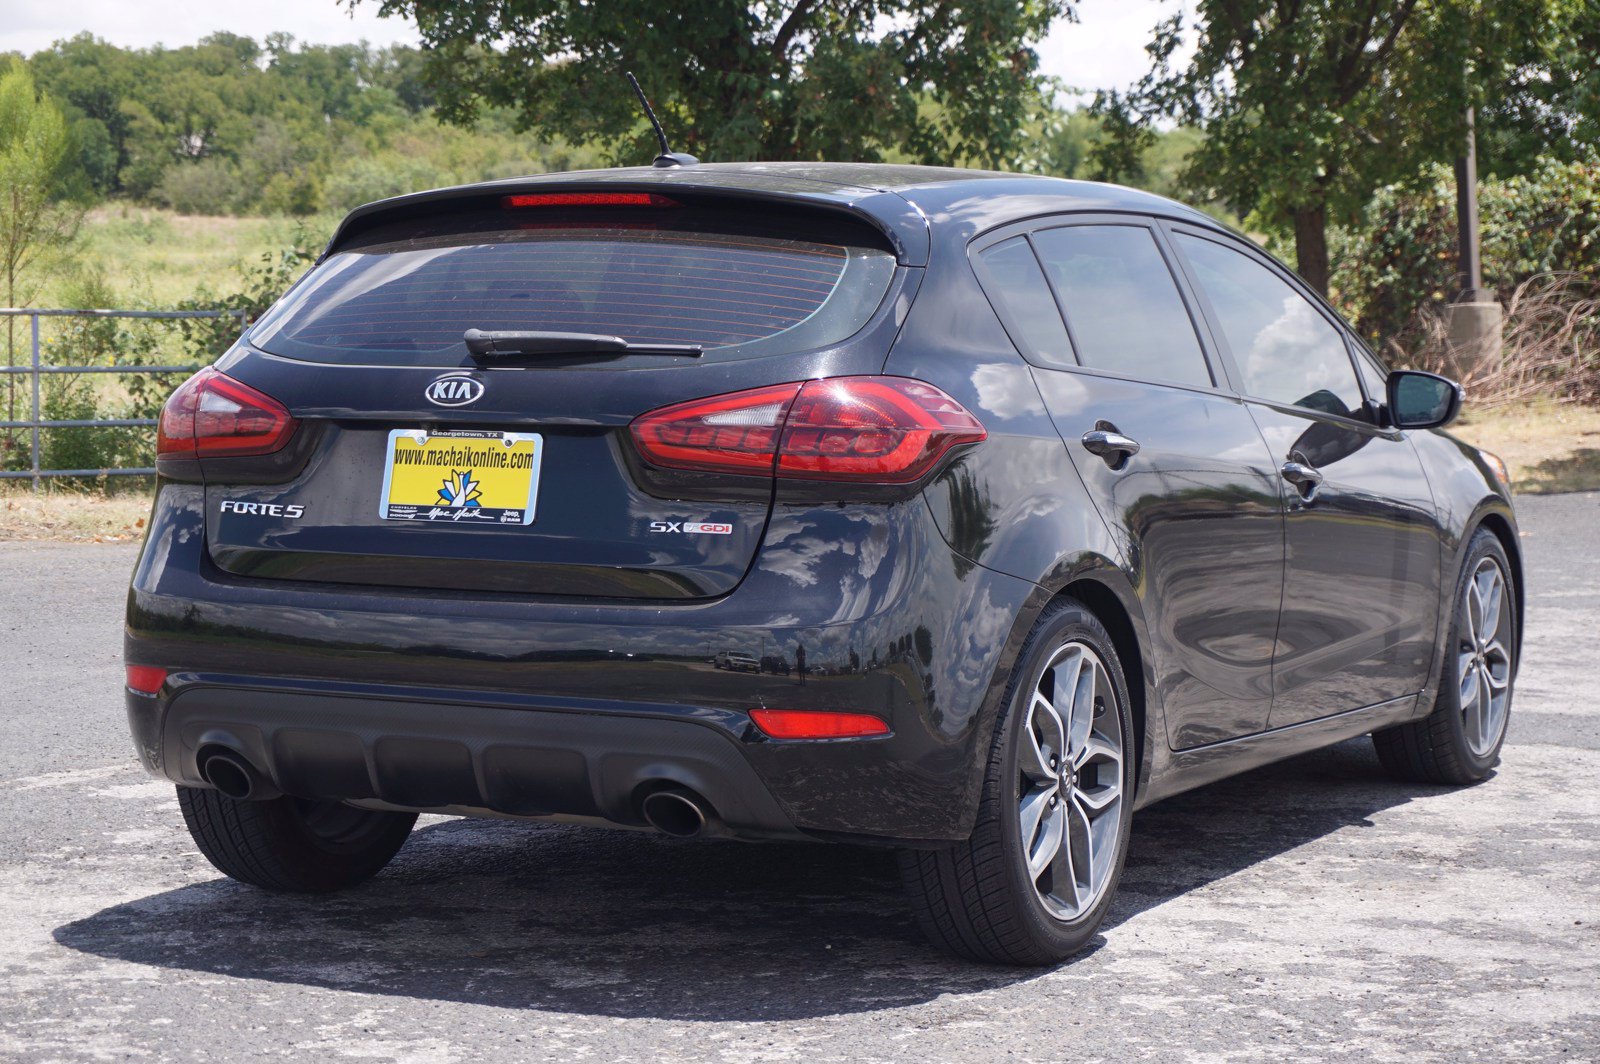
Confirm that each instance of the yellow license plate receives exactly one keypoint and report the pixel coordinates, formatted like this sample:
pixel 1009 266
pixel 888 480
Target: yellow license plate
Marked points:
pixel 465 477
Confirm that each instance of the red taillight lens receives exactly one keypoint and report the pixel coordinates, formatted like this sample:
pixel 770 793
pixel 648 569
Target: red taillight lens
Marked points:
pixel 211 415
pixel 873 430
pixel 886 430
pixel 735 433
pixel 588 199
pixel 146 679
pixel 810 724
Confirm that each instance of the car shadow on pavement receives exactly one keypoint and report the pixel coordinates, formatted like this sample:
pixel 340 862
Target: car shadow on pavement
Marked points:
pixel 621 924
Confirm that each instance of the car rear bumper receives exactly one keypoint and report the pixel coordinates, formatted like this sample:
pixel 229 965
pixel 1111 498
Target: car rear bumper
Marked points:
pixel 430 751
pixel 526 707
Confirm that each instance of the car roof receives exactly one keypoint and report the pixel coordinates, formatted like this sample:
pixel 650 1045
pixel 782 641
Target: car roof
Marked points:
pixel 906 202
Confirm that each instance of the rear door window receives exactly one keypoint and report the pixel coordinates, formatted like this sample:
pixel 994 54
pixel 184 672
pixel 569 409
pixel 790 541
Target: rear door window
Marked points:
pixel 405 293
pixel 1284 348
pixel 1122 303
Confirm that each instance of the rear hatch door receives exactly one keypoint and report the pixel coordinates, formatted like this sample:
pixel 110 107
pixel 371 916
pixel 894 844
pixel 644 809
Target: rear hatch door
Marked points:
pixel 418 464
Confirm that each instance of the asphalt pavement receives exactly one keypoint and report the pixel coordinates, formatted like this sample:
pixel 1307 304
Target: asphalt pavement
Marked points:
pixel 1309 910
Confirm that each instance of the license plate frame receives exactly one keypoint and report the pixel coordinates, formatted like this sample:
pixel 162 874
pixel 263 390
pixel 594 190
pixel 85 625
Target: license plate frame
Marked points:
pixel 467 470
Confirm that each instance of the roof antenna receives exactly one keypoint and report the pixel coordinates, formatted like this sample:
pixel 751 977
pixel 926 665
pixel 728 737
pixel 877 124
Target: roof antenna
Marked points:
pixel 668 158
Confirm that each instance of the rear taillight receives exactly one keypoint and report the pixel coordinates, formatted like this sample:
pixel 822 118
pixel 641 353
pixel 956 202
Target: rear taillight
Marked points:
pixel 735 433
pixel 872 430
pixel 211 415
pixel 881 429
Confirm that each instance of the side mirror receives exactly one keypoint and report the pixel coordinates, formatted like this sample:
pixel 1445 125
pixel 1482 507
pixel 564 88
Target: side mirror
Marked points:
pixel 1420 400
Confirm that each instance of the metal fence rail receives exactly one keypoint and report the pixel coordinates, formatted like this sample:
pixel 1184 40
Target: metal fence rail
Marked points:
pixel 37 371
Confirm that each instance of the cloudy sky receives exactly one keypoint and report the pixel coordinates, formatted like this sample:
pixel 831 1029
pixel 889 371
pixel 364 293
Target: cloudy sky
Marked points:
pixel 1104 50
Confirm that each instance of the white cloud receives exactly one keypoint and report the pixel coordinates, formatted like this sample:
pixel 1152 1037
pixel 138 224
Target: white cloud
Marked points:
pixel 1105 48
pixel 1006 390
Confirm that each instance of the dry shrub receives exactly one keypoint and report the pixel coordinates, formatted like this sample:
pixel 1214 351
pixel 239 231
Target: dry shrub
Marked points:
pixel 1551 347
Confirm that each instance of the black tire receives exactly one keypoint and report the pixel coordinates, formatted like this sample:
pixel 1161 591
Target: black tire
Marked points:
pixel 976 899
pixel 1439 748
pixel 292 844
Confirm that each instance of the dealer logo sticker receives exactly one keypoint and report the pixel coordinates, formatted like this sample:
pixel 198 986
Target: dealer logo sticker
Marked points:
pixel 454 389
pixel 693 528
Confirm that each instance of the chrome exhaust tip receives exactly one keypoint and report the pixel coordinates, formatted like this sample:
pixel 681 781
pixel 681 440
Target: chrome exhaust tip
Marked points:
pixel 230 773
pixel 675 811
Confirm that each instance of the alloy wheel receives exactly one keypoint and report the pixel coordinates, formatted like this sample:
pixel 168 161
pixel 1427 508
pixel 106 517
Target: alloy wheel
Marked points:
pixel 1483 657
pixel 1070 800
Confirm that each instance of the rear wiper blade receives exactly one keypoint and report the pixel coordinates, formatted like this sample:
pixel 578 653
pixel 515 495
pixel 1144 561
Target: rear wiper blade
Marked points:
pixel 491 344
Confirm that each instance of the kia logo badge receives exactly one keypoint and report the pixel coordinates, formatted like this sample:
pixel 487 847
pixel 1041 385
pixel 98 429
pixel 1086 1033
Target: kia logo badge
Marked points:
pixel 456 389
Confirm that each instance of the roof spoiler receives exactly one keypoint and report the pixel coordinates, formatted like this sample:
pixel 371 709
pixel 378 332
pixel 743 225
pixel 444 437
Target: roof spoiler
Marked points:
pixel 901 223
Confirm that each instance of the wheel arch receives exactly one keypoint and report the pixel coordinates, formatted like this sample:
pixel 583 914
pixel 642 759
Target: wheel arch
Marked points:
pixel 1103 590
pixel 1493 514
pixel 1109 610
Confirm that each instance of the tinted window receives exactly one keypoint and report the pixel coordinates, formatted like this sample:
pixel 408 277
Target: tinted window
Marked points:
pixel 1122 304
pixel 1284 348
pixel 1016 281
pixel 404 295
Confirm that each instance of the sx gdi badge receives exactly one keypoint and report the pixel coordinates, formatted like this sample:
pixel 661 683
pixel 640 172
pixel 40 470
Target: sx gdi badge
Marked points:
pixel 454 389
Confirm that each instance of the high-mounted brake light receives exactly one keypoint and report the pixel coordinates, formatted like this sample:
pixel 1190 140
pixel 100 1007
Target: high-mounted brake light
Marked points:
pixel 811 724
pixel 211 415
pixel 869 430
pixel 588 199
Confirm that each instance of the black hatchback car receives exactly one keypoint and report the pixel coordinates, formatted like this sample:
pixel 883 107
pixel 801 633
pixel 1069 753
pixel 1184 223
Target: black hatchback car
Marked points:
pixel 957 512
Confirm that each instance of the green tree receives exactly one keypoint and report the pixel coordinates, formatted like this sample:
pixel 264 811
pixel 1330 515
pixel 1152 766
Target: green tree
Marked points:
pixel 1062 141
pixel 1308 106
pixel 89 79
pixel 233 125
pixel 1550 107
pixel 1078 144
pixel 37 221
pixel 748 79
pixel 1398 266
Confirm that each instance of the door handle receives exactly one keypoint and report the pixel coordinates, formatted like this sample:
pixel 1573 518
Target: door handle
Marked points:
pixel 1111 445
pixel 1304 477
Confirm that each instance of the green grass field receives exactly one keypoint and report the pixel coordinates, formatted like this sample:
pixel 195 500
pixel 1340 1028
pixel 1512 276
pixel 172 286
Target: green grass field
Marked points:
pixel 155 258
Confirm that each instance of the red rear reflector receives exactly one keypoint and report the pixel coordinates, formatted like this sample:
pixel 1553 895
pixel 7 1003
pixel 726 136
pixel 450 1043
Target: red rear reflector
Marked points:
pixel 211 415
pixel 146 679
pixel 871 430
pixel 588 199
pixel 809 724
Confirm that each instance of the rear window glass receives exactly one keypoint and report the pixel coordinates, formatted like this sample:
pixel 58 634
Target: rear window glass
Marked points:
pixel 405 294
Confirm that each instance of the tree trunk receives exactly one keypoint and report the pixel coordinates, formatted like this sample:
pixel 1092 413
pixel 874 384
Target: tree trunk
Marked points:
pixel 1311 245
